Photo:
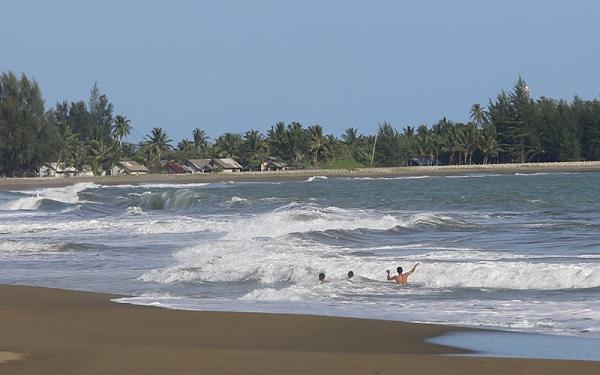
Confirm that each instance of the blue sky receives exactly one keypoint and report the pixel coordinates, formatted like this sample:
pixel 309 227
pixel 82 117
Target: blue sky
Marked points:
pixel 236 65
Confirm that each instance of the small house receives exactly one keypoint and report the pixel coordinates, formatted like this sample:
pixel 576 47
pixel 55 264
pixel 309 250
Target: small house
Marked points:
pixel 174 168
pixel 227 165
pixel 128 167
pixel 420 162
pixel 199 165
pixel 271 164
pixel 57 170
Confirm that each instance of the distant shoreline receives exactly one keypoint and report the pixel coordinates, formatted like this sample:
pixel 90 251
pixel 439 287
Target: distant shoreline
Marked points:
pixel 296 175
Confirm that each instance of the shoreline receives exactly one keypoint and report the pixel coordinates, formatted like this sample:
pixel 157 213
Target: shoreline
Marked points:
pixel 56 331
pixel 299 175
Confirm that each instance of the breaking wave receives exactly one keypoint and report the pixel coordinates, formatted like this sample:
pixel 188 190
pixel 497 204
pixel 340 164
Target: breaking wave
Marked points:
pixel 168 200
pixel 313 178
pixel 47 198
pixel 297 262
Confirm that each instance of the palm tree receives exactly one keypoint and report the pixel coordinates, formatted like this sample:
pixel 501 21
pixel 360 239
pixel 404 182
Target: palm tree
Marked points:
pixel 121 129
pixel 102 155
pixel 228 145
pixel 478 115
pixel 488 143
pixel 297 142
pixel 252 149
pixel 79 156
pixel 66 141
pixel 469 141
pixel 425 142
pixel 450 141
pixel 200 140
pixel 185 148
pixel 159 142
pixel 352 140
pixel 317 145
pixel 277 140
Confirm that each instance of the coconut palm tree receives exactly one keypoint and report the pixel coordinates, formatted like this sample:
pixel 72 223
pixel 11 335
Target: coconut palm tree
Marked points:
pixel 228 145
pixel 425 142
pixel 352 140
pixel 478 115
pixel 252 150
pixel 102 155
pixel 121 128
pixel 159 142
pixel 66 141
pixel 468 138
pixel 450 141
pixel 79 156
pixel 317 143
pixel 185 148
pixel 488 143
pixel 200 140
pixel 277 140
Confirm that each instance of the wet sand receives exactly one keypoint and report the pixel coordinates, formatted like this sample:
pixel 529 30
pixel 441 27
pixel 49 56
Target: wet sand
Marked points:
pixel 32 183
pixel 55 331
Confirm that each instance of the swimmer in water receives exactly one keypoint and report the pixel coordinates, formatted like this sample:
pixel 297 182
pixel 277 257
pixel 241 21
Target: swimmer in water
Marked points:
pixel 350 275
pixel 401 278
pixel 322 277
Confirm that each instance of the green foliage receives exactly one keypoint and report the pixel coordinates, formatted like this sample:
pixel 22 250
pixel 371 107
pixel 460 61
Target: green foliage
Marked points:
pixel 349 164
pixel 513 128
pixel 25 134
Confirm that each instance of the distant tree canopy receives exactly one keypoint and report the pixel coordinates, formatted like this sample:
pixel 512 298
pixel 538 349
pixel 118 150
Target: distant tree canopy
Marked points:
pixel 513 128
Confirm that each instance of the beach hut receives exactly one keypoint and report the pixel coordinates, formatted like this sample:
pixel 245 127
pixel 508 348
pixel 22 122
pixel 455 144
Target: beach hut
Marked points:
pixel 271 164
pixel 174 168
pixel 227 165
pixel 199 165
pixel 128 167
pixel 56 170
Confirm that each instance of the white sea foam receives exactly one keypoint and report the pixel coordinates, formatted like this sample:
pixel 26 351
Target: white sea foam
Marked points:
pixel 68 194
pixel 174 186
pixel 135 210
pixel 236 199
pixel 390 178
pixel 313 178
pixel 8 246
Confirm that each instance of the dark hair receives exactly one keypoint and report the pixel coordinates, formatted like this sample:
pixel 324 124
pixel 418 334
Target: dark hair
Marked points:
pixel 350 274
pixel 399 269
pixel 322 276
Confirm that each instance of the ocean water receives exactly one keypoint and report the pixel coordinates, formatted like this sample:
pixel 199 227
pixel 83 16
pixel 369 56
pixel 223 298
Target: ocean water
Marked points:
pixel 515 252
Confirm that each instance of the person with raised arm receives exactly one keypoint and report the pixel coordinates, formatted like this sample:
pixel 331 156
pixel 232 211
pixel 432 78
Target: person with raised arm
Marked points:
pixel 401 278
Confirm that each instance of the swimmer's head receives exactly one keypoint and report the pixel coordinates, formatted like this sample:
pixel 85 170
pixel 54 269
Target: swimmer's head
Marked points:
pixel 322 276
pixel 399 269
pixel 350 274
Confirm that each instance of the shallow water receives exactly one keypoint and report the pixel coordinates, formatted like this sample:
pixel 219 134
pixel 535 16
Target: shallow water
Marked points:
pixel 518 252
pixel 523 345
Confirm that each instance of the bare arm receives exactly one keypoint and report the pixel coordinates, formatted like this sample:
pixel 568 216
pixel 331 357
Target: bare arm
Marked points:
pixel 388 275
pixel 413 270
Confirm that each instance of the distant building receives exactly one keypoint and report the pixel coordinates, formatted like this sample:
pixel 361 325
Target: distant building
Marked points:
pixel 271 164
pixel 174 168
pixel 420 162
pixel 128 167
pixel 56 170
pixel 199 165
pixel 227 165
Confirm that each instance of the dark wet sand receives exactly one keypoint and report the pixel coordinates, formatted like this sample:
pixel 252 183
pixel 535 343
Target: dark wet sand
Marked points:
pixel 51 331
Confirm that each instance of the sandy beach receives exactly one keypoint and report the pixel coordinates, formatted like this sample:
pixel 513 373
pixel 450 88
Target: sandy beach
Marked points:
pixel 52 331
pixel 29 183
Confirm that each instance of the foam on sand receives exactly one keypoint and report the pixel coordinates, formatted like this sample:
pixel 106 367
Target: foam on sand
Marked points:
pixel 9 356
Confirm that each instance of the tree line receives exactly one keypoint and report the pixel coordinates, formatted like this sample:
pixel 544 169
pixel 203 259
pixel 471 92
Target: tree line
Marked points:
pixel 87 134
